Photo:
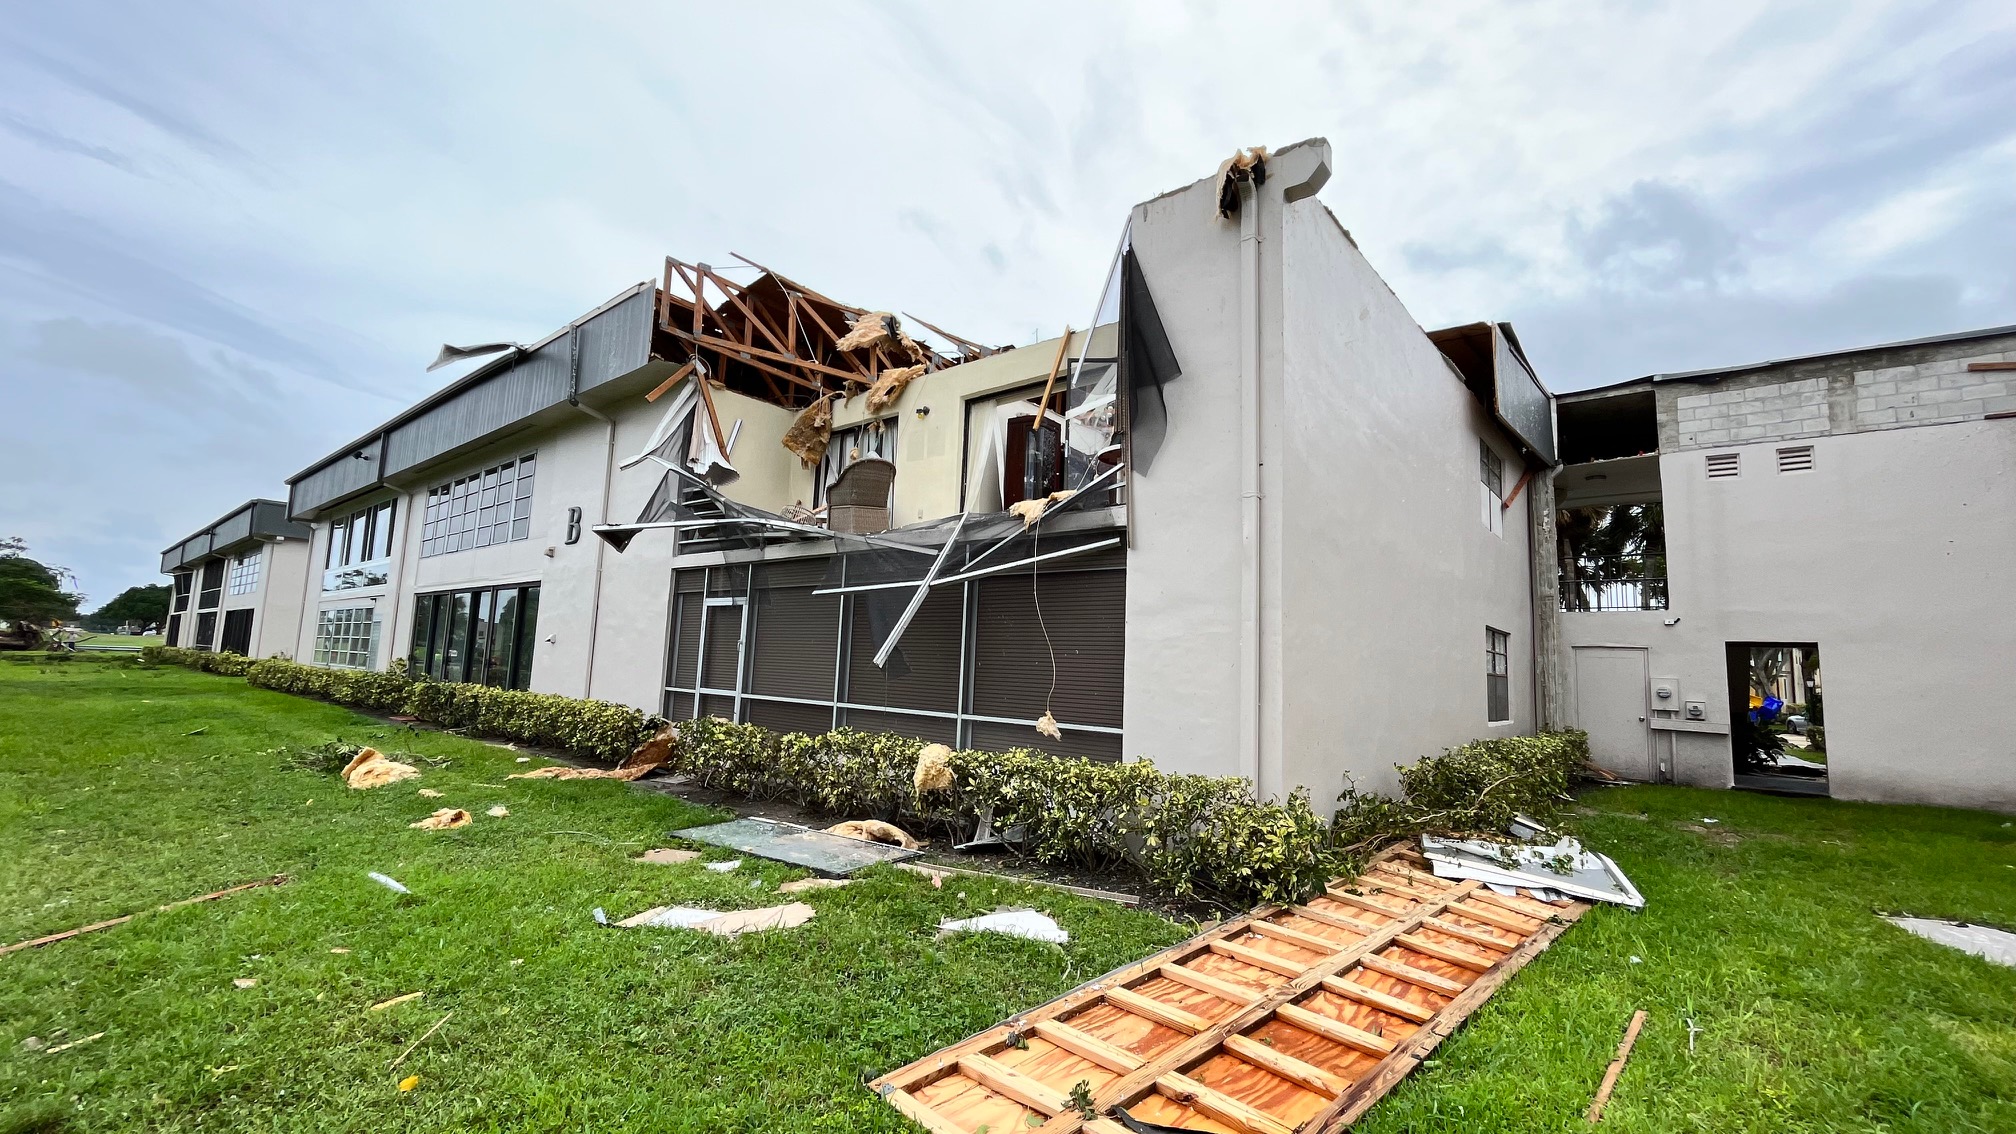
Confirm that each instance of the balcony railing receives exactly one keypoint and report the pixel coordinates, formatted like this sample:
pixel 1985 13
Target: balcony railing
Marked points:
pixel 1607 591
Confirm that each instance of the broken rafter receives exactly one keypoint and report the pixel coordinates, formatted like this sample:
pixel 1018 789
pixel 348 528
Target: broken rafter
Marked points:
pixel 966 345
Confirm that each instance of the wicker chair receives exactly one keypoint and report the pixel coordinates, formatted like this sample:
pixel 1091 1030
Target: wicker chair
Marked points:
pixel 858 499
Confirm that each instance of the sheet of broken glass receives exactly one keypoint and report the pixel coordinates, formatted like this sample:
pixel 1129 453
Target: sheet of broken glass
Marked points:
pixel 820 851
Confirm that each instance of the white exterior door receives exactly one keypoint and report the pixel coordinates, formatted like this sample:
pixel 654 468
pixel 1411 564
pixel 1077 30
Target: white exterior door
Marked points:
pixel 1610 705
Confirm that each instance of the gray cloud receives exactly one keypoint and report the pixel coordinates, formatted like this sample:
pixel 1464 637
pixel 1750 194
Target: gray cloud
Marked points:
pixel 64 144
pixel 1656 236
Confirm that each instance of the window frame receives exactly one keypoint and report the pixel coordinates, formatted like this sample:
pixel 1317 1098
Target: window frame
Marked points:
pixel 435 635
pixel 340 625
pixel 1497 676
pixel 243 576
pixel 488 507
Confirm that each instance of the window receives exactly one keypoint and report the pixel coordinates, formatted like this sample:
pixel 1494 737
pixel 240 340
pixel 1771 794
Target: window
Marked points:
pixel 1722 466
pixel 1491 471
pixel 182 581
pixel 1795 459
pixel 213 586
pixel 360 549
pixel 485 637
pixel 237 632
pixel 206 630
pixel 1497 676
pixel 174 637
pixel 493 506
pixel 245 572
pixel 869 439
pixel 1031 459
pixel 347 638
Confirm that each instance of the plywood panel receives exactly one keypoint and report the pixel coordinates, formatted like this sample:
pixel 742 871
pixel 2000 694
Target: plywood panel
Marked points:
pixel 1283 1020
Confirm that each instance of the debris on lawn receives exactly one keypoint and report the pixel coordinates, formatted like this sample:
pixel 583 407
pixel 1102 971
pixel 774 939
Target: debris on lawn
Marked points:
pixel 524 759
pixel 396 1001
pixel 446 819
pixel 835 852
pixel 804 884
pixel 245 982
pixel 389 882
pixel 34 1043
pixel 1014 922
pixel 51 939
pixel 934 769
pixel 938 874
pixel 1562 868
pixel 198 731
pixel 721 924
pixel 1303 1017
pixel 1616 1067
pixel 1996 945
pixel 875 831
pixel 369 769
pixel 408 1083
pixel 498 812
pixel 647 758
pixel 727 867
pixel 339 949
pixel 430 793
pixel 401 1058
pixel 666 856
pixel 63 1047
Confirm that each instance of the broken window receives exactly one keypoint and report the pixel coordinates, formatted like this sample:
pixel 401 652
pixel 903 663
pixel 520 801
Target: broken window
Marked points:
pixel 868 439
pixel 1497 676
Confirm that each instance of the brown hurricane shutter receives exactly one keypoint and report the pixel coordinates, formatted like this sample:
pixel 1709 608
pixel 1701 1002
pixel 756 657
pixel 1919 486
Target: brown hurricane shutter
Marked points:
pixel 1085 613
pixel 797 638
pixel 785 716
pixel 930 648
pixel 989 736
pixel 935 730
pixel 724 641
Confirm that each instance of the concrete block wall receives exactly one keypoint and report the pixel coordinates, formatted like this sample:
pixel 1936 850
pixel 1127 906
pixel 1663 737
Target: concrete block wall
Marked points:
pixel 1882 388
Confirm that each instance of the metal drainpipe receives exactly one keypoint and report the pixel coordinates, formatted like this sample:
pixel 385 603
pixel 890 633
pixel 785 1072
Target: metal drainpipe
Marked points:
pixel 1249 488
pixel 608 478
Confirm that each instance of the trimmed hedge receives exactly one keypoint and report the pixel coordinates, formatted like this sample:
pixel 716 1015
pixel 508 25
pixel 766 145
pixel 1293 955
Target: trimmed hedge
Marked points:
pixel 1187 837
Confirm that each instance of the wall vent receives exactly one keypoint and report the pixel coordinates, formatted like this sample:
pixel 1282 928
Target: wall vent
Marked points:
pixel 1724 465
pixel 1795 458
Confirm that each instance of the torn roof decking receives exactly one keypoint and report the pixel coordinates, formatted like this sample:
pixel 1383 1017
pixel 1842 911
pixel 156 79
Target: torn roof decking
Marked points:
pixel 1290 1018
pixel 776 339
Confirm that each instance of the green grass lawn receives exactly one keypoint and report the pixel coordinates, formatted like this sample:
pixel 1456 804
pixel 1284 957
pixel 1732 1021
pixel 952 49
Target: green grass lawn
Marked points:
pixel 1814 1015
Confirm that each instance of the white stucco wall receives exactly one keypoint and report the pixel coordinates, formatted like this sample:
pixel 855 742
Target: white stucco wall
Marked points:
pixel 1378 575
pixel 1897 555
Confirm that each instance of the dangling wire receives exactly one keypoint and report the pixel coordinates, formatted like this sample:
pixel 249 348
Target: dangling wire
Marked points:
pixel 1036 597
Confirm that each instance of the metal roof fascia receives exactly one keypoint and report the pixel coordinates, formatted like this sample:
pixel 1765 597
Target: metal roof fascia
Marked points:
pixel 473 378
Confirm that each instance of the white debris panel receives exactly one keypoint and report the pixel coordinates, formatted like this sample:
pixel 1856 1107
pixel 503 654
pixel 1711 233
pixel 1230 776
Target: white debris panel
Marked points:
pixel 1997 945
pixel 1561 868
pixel 1027 924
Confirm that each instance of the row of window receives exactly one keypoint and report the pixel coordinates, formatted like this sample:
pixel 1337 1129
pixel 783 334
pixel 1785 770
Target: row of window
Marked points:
pixel 486 636
pixel 493 506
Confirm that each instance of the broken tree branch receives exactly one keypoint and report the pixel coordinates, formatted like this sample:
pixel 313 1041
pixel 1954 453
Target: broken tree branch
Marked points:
pixel 276 880
pixel 1616 1067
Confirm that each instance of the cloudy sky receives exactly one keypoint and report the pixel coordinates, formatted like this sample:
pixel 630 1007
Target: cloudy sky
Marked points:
pixel 232 235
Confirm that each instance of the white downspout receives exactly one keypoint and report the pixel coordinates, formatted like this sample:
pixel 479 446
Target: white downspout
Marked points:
pixel 1249 489
pixel 601 545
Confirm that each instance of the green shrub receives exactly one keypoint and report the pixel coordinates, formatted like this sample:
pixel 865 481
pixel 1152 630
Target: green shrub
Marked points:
pixel 223 662
pixel 1186 837
pixel 1475 787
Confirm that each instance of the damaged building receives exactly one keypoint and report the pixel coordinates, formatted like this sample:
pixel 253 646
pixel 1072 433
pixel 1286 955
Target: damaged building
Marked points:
pixel 1251 519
